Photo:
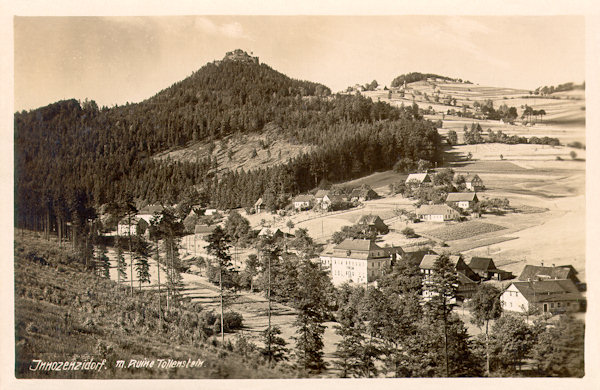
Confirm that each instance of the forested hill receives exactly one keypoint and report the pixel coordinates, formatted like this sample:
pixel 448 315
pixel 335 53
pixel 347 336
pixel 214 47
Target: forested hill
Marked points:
pixel 74 156
pixel 416 76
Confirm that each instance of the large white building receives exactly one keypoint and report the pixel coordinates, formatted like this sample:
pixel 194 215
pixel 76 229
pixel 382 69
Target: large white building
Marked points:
pixel 358 261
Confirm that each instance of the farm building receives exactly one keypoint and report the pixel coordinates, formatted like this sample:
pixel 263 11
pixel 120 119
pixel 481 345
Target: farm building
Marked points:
pixel 303 202
pixel 548 296
pixel 474 183
pixel 419 178
pixel 358 261
pixel 535 272
pixel 363 194
pixel 464 200
pixel 436 213
pixel 259 206
pixel 268 232
pixel 467 278
pixel 373 222
pixel 486 269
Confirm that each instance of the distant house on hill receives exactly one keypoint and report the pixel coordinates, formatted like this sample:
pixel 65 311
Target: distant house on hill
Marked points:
pixel 420 178
pixel 474 183
pixel 549 296
pixel 436 213
pixel 303 202
pixel 363 194
pixel 259 206
pixel 238 55
pixel 467 278
pixel 464 200
pixel 373 222
pixel 358 261
pixel 486 269
pixel 535 272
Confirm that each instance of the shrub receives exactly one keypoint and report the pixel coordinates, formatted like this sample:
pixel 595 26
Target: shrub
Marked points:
pixel 408 232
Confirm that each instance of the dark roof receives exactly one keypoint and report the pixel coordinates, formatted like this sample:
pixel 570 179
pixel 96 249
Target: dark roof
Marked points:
pixel 321 193
pixel 204 229
pixel 471 177
pixel 358 245
pixel 151 209
pixel 543 290
pixel 461 197
pixel 535 272
pixel 463 279
pixel 303 198
pixel 369 219
pixel 428 261
pixel 420 177
pixel 482 264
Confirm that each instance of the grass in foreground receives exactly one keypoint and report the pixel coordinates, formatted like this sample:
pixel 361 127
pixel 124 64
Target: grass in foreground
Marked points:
pixel 64 313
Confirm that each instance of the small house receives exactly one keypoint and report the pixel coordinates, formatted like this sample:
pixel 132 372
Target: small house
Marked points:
pixel 259 206
pixel 547 296
pixel 486 269
pixel 420 179
pixel 437 213
pixel 302 202
pixel 363 194
pixel 464 200
pixel 474 183
pixel 373 222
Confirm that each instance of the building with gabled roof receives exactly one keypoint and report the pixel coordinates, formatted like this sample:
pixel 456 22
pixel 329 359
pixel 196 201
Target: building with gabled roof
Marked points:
pixel 303 202
pixel 535 272
pixel 467 278
pixel 420 178
pixel 373 222
pixel 548 296
pixel 363 194
pixel 486 269
pixel 436 213
pixel 473 182
pixel 358 261
pixel 259 206
pixel 464 200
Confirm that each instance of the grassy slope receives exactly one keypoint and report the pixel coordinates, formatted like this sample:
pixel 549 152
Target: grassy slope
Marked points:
pixel 63 313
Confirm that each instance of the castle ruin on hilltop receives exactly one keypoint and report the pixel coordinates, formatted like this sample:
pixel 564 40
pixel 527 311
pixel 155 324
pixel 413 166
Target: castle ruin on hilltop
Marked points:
pixel 238 55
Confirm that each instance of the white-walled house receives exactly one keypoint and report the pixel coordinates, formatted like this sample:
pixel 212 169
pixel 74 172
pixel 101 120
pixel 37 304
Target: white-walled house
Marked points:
pixel 358 261
pixel 549 296
pixel 436 213
pixel 420 178
pixel 303 202
pixel 464 200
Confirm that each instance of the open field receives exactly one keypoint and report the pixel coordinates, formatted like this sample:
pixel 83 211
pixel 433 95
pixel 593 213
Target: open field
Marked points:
pixel 464 230
pixel 564 119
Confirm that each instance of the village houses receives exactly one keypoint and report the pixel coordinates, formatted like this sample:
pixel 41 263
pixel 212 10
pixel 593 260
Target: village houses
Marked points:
pixel 303 202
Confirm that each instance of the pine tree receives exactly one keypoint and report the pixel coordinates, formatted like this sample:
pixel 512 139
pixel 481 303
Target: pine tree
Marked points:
pixel 102 262
pixel 313 306
pixel 121 264
pixel 219 244
pixel 274 350
pixel 142 267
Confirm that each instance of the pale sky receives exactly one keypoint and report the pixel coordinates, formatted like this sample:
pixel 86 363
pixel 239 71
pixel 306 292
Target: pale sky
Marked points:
pixel 114 60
